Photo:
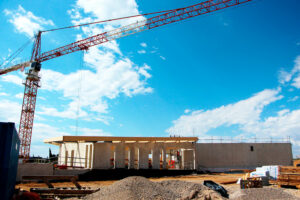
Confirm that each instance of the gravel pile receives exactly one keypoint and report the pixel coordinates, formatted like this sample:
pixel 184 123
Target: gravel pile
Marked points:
pixel 139 188
pixel 262 193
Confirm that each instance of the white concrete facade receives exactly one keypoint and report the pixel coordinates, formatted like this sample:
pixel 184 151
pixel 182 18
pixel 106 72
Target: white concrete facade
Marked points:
pixel 108 155
pixel 222 156
pixel 172 155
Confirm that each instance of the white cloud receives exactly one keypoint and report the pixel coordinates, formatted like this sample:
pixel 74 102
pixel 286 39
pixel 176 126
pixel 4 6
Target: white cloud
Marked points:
pixel 286 123
pixel 26 22
pixel 89 132
pixel 143 71
pixel 112 73
pixel 293 75
pixel 295 98
pixel 10 111
pixel 103 10
pixel 19 95
pixel 242 113
pixel 162 57
pixel 12 79
pixel 113 77
pixel 296 82
pixel 284 76
pixel 141 51
pixel 143 44
pixel 41 98
pixel 296 73
pixel 3 94
pixel 187 111
pixel 43 131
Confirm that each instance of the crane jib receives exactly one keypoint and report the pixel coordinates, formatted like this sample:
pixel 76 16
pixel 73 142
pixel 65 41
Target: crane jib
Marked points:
pixel 153 22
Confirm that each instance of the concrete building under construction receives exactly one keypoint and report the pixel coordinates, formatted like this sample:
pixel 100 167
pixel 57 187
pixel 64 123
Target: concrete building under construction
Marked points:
pixel 181 153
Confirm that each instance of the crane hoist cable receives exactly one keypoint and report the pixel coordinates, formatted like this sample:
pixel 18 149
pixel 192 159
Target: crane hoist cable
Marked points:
pixel 79 92
pixel 108 20
pixel 14 55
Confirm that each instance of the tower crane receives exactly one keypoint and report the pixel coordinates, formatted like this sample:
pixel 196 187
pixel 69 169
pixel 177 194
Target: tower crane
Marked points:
pixel 33 78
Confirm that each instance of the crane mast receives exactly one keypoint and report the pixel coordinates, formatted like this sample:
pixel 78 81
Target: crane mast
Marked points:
pixel 32 83
pixel 32 80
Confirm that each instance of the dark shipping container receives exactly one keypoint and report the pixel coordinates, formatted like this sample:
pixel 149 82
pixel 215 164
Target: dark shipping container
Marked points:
pixel 9 154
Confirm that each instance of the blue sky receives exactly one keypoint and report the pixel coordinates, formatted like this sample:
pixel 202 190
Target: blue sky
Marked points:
pixel 234 73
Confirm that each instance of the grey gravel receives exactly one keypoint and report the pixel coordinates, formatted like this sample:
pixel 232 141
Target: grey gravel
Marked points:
pixel 262 194
pixel 140 188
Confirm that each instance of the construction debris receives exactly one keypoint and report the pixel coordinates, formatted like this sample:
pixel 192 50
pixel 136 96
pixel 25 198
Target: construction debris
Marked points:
pixel 47 179
pixel 251 183
pixel 51 192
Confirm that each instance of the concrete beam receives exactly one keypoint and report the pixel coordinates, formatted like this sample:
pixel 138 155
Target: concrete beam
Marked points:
pixel 62 139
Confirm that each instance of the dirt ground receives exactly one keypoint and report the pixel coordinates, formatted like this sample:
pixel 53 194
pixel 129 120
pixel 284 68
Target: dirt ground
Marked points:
pixel 226 180
pixel 198 178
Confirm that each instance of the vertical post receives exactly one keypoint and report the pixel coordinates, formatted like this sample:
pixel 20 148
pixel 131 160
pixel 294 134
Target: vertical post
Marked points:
pixel 90 157
pixel 195 156
pixel 86 155
pixel 164 158
pixel 72 158
pixel 66 157
pixel 131 157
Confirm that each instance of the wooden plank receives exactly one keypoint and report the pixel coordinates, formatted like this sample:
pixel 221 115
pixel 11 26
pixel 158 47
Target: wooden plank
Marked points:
pixel 289 170
pixel 58 191
pixel 289 177
pixel 75 183
pixel 48 183
pixel 46 179
pixel 49 177
pixel 291 183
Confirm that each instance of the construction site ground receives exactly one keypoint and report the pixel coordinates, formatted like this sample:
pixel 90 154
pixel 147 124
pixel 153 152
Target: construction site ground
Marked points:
pixel 224 179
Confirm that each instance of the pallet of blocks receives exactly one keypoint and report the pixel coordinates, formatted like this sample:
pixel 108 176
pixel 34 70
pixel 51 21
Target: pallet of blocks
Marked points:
pixel 289 176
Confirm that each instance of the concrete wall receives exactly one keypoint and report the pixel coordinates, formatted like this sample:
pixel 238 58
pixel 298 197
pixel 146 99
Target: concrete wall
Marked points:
pixel 102 155
pixel 209 156
pixel 34 169
pixel 220 156
pixel 76 154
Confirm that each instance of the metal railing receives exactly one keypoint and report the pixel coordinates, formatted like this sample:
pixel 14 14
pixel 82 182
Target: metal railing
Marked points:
pixel 220 139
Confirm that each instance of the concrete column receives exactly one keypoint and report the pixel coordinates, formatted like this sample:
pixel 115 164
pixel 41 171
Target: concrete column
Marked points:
pixel 120 155
pixel 143 158
pixel 101 156
pixel 195 158
pixel 156 157
pixel 131 157
pixel 164 158
pixel 188 159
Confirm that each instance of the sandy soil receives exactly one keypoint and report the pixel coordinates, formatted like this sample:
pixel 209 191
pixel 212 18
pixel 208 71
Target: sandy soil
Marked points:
pixel 219 178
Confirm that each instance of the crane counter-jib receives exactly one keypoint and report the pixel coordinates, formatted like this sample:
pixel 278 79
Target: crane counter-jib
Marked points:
pixel 15 67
